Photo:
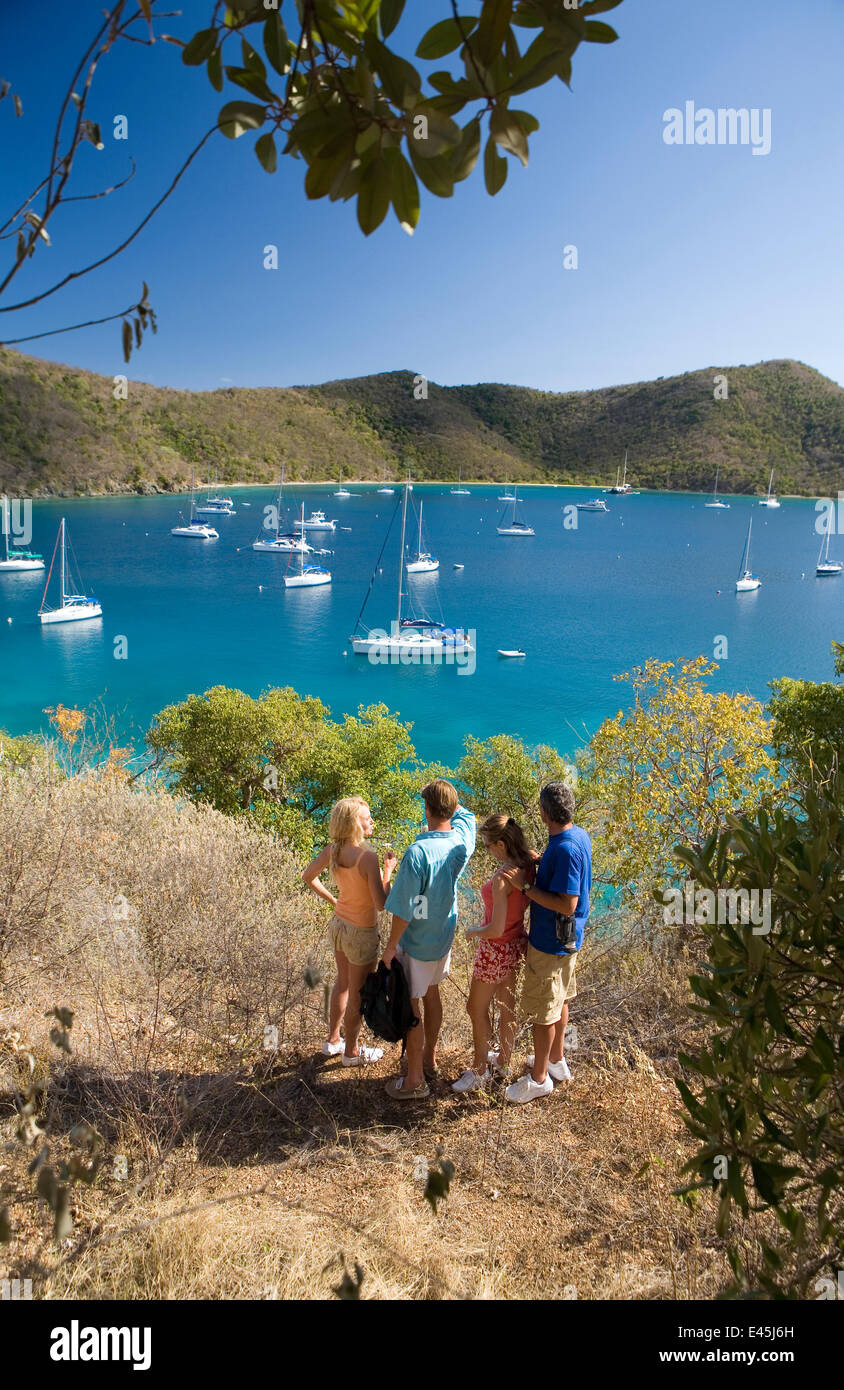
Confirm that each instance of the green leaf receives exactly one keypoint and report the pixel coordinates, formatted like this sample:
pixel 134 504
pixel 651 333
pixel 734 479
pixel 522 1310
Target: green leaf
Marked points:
pixel 495 168
pixel 390 14
pixel 507 130
pixel 237 117
pixel 466 154
pixel 399 79
pixel 127 353
pixel 492 30
pixel 199 49
pixel 437 132
pixel 373 197
pixel 597 32
pixel 266 151
pixel 436 174
pixel 277 44
pixel 215 70
pixel 599 6
pixel 404 190
pixel 445 36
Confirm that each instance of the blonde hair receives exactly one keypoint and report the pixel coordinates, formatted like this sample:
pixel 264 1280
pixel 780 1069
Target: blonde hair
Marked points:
pixel 344 825
pixel 504 828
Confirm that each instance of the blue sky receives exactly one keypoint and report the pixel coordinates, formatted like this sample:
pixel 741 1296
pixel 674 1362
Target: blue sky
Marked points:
pixel 688 256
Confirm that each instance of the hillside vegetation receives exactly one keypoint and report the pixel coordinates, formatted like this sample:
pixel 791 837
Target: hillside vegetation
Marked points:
pixel 62 432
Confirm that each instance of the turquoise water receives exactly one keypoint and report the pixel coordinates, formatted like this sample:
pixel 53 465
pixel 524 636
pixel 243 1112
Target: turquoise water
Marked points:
pixel 583 604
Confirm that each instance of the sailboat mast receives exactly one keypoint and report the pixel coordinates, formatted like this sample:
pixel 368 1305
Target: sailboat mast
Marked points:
pixel 715 494
pixel 401 550
pixel 624 478
pixel 62 565
pixel 419 546
pixel 6 523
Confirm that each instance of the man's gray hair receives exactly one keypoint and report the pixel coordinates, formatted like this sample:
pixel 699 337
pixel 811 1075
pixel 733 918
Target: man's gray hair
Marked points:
pixel 557 801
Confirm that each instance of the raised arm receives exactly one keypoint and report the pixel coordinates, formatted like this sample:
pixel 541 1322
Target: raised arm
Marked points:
pixel 311 876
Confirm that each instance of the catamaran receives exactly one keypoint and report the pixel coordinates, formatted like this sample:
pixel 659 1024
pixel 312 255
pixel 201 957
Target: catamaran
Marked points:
pixel 193 529
pixel 424 562
pixel 316 522
pixel 771 500
pixel 307 576
pixel 622 488
pixel 747 581
pixel 411 639
pixel 716 500
pixel 460 490
pixel 282 541
pixel 73 608
pixel 515 527
pixel 17 560
pixel 826 568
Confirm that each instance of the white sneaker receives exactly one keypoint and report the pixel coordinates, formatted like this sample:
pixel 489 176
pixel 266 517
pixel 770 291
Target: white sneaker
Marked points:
pixel 471 1081
pixel 559 1070
pixel 366 1054
pixel 526 1089
pixel 492 1058
pixel 330 1049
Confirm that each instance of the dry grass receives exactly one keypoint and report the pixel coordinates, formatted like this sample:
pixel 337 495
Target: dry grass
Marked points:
pixel 252 1174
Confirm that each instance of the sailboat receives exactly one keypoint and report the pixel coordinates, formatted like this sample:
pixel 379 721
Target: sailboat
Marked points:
pixel 341 490
pixel 282 541
pixel 747 581
pixel 216 506
pixel 195 530
pixel 307 576
pixel 410 639
pixel 716 501
pixel 460 490
pixel 515 527
pixel 621 488
pixel 424 562
pixel 508 496
pixel 17 560
pixel 825 567
pixel 72 607
pixel 385 488
pixel 771 500
pixel 317 521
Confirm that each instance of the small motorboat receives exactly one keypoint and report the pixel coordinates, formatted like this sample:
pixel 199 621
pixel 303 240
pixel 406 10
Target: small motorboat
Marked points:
pixel 502 652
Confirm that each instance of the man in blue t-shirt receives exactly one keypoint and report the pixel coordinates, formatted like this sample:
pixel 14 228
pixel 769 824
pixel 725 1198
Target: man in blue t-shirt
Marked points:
pixel 563 883
pixel 423 901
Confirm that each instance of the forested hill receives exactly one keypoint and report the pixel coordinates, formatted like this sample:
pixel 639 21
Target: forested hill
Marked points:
pixel 61 431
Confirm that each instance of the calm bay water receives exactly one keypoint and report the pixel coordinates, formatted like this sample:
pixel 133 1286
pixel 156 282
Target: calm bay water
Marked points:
pixel 583 604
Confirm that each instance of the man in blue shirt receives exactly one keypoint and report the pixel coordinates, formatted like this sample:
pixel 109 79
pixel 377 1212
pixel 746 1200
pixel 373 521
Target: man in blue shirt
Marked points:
pixel 563 883
pixel 423 901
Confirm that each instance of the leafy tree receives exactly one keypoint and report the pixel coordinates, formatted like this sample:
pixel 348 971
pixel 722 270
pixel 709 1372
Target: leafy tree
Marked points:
pixel 328 87
pixel 502 774
pixel 808 730
pixel 764 1096
pixel 672 767
pixel 283 761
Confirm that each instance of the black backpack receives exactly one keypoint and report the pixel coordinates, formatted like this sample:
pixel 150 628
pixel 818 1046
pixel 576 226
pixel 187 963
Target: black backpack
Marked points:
pixel 385 1003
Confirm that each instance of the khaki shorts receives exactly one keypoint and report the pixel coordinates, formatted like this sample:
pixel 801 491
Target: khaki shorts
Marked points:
pixel 421 974
pixel 360 945
pixel 547 983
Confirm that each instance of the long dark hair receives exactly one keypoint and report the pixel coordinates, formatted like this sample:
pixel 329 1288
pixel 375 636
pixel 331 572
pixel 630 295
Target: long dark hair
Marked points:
pixel 501 827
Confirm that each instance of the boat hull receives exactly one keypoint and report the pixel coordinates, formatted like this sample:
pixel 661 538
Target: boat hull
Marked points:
pixel 515 531
pixel 422 567
pixel 20 566
pixel 283 547
pixel 306 581
pixel 413 645
pixel 72 613
pixel 828 571
pixel 746 586
pixel 196 533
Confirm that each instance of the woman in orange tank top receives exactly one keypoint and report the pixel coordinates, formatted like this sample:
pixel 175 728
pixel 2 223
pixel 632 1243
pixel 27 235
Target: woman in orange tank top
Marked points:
pixel 501 947
pixel 362 892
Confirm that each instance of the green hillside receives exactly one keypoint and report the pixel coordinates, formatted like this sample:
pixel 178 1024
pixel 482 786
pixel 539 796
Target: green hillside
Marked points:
pixel 62 432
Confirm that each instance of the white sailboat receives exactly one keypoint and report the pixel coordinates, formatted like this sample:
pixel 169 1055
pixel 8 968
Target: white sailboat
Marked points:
pixel 73 608
pixel 424 563
pixel 193 529
pixel 507 495
pixel 716 501
pixel 771 500
pixel 410 640
pixel 597 504
pixel 307 576
pixel 826 568
pixel 216 506
pixel 460 490
pixel 341 490
pixel 385 490
pixel 747 581
pixel 17 561
pixel 283 541
pixel 515 527
pixel 622 488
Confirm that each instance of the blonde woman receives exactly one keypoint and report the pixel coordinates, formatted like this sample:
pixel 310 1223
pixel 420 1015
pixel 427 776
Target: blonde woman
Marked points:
pixel 362 892
pixel 502 943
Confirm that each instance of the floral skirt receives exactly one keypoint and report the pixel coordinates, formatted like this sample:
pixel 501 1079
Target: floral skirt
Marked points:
pixel 494 960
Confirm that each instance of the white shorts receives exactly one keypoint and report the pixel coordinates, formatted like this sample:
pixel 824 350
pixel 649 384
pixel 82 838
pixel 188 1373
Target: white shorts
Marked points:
pixel 421 974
